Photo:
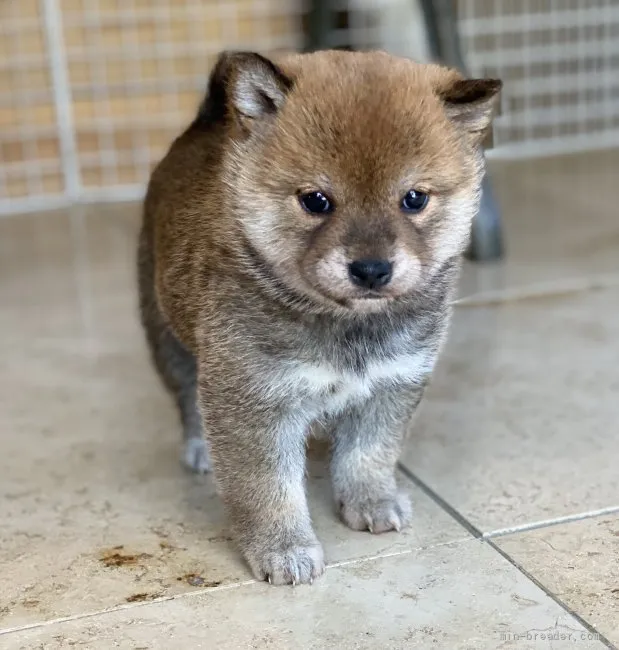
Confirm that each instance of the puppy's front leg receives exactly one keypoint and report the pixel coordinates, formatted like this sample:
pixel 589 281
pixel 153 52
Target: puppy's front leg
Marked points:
pixel 366 446
pixel 258 453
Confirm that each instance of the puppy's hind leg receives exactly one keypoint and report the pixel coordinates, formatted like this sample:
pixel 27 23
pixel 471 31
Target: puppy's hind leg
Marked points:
pixel 180 369
pixel 175 365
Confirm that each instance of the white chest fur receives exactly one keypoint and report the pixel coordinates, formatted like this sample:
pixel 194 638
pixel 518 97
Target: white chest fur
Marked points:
pixel 332 390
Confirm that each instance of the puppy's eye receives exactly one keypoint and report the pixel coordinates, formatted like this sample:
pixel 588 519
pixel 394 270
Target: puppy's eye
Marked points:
pixel 414 201
pixel 316 203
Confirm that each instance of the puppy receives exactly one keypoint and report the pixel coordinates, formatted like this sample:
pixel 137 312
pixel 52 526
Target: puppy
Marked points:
pixel 300 246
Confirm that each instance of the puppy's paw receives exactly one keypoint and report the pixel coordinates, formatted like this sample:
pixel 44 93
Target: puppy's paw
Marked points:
pixel 377 516
pixel 288 565
pixel 195 455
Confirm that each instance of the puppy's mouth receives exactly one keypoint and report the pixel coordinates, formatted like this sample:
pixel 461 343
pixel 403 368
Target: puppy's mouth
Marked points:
pixel 369 303
pixel 357 299
pixel 373 295
pixel 369 300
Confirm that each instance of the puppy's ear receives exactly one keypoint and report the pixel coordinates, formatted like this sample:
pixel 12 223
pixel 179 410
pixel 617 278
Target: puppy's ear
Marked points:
pixel 246 87
pixel 470 103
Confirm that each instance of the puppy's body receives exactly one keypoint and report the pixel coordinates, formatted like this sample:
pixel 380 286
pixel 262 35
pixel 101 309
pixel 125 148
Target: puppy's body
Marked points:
pixel 258 321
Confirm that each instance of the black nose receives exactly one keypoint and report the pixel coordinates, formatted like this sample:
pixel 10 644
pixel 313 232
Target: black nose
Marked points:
pixel 371 274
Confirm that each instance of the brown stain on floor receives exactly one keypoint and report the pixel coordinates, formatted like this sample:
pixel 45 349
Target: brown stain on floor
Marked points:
pixel 118 557
pixel 31 602
pixel 141 597
pixel 196 580
pixel 115 557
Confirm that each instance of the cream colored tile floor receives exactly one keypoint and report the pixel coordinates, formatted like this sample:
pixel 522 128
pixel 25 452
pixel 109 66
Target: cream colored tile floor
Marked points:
pixel 512 464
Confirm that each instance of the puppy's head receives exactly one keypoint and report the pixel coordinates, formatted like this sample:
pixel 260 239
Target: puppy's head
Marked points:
pixel 354 176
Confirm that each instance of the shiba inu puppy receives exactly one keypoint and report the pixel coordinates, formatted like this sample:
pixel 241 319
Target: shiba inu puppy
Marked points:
pixel 300 247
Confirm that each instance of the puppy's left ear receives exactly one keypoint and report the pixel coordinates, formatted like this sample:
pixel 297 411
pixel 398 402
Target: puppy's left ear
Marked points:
pixel 470 103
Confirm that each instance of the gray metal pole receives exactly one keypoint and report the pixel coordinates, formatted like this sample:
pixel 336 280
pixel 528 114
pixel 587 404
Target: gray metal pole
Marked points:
pixel 320 24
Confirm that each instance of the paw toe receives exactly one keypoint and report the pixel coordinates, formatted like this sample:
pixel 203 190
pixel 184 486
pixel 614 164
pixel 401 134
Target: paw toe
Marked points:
pixel 195 456
pixel 379 516
pixel 290 566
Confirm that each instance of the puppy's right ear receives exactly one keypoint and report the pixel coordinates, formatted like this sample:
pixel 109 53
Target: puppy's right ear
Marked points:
pixel 245 87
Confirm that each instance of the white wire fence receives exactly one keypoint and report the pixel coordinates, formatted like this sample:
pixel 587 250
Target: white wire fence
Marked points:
pixel 559 60
pixel 93 91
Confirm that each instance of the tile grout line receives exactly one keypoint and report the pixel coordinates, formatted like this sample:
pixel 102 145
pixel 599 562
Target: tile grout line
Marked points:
pixel 406 551
pixel 463 521
pixel 538 290
pixel 120 608
pixel 588 626
pixel 227 587
pixel 535 525
pixel 447 507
